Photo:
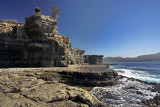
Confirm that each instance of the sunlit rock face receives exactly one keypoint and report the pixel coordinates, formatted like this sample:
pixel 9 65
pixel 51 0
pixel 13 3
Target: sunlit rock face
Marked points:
pixel 6 27
pixel 20 88
pixel 35 43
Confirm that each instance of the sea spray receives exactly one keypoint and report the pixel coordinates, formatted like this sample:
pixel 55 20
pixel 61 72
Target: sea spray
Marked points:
pixel 146 71
pixel 126 94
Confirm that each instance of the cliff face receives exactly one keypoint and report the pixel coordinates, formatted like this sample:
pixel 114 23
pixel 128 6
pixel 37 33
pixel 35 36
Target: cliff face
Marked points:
pixel 93 59
pixel 36 43
pixel 11 43
pixel 41 23
pixel 77 56
pixel 6 27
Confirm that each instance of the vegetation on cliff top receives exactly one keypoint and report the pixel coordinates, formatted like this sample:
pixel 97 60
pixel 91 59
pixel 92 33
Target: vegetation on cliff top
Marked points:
pixel 12 21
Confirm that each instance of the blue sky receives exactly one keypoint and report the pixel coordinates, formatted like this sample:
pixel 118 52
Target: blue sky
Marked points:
pixel 124 28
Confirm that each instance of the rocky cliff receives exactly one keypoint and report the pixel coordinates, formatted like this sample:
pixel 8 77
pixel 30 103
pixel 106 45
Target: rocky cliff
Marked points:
pixel 36 43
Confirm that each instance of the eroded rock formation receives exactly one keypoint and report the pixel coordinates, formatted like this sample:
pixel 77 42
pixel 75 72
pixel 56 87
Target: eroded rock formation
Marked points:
pixel 93 59
pixel 24 88
pixel 36 43
pixel 77 56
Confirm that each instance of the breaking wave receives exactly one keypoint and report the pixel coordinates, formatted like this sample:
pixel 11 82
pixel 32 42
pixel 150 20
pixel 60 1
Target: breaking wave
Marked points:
pixel 146 71
pixel 126 94
pixel 130 92
pixel 142 75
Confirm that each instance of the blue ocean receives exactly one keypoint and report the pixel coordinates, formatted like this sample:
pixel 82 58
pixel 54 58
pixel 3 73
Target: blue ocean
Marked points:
pixel 146 71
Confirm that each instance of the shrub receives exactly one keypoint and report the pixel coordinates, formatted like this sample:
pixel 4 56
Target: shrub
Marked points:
pixel 55 12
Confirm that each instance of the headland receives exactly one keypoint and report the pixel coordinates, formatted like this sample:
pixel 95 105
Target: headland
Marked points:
pixel 39 68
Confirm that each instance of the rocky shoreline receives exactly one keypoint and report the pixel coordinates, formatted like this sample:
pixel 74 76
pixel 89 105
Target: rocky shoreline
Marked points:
pixel 74 86
pixel 66 78
pixel 53 87
pixel 129 92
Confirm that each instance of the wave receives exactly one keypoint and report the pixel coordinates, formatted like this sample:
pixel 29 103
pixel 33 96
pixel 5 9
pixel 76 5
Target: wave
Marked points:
pixel 125 94
pixel 144 68
pixel 142 75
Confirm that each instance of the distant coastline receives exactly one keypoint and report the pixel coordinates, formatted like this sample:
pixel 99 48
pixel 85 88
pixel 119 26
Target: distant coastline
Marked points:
pixel 146 71
pixel 142 58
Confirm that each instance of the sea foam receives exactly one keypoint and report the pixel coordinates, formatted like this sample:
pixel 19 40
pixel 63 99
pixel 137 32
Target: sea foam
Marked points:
pixel 142 75
pixel 126 94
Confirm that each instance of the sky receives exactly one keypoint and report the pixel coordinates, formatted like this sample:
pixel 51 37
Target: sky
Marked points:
pixel 125 28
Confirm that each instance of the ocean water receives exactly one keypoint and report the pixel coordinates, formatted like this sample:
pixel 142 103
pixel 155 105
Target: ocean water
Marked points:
pixel 146 71
pixel 128 92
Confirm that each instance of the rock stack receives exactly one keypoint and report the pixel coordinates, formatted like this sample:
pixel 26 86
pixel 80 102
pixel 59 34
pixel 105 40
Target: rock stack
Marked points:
pixel 93 59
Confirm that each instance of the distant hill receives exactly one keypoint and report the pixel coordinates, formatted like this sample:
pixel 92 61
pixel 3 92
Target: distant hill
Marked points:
pixel 142 58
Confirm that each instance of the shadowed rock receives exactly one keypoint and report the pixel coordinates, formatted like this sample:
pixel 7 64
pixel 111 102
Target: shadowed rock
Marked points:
pixel 36 43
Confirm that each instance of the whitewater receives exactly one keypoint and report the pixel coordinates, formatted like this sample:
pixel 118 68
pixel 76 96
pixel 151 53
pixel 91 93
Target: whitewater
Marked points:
pixel 130 90
pixel 146 71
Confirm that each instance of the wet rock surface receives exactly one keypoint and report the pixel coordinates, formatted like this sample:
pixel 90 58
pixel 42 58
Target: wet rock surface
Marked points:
pixel 129 93
pixel 89 79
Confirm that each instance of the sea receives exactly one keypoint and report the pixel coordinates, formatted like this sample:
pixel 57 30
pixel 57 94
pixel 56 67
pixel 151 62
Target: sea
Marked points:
pixel 128 92
pixel 146 71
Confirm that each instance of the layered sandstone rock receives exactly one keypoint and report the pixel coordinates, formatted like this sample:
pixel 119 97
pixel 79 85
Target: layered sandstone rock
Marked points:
pixel 24 87
pixel 11 44
pixel 6 27
pixel 36 43
pixel 37 24
pixel 93 59
pixel 77 56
